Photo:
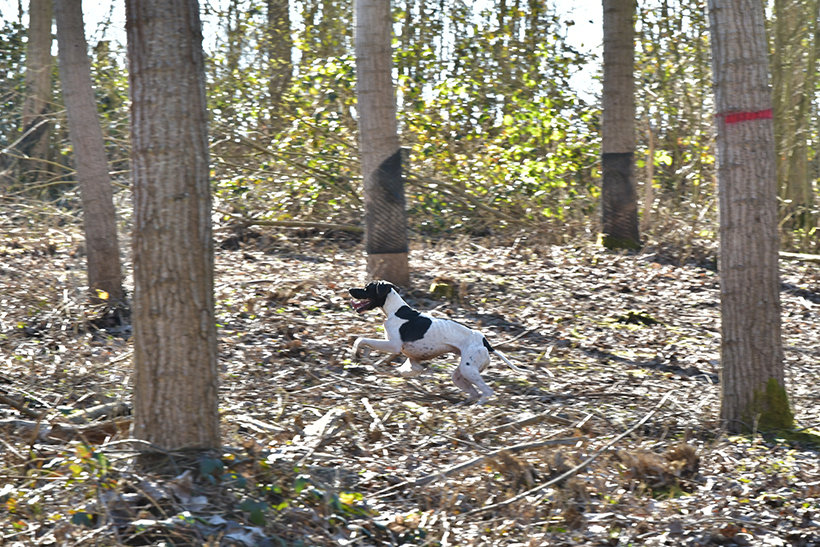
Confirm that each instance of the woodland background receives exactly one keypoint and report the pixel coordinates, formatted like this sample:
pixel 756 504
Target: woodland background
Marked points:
pixel 503 190
pixel 531 140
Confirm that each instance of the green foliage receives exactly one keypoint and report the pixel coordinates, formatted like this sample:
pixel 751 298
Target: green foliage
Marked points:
pixel 493 130
pixel 110 80
pixel 12 62
pixel 256 510
pixel 211 469
pixel 484 105
pixel 674 97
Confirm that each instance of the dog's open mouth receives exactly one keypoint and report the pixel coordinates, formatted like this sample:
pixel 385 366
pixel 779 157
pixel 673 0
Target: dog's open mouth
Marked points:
pixel 361 305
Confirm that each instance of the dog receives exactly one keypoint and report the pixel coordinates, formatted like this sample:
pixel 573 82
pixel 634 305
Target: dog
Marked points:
pixel 421 337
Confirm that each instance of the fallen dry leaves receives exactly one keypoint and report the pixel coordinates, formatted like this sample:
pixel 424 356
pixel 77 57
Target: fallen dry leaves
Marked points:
pixel 325 451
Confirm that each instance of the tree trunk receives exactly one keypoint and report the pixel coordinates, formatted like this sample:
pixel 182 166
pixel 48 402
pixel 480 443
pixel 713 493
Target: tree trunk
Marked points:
pixel 619 200
pixel 794 71
pixel 38 90
pixel 99 217
pixel 175 354
pixel 280 60
pixel 752 381
pixel 385 216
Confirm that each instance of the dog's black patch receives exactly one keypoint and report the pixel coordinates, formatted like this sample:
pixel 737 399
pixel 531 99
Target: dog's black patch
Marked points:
pixel 488 346
pixel 406 312
pixel 416 326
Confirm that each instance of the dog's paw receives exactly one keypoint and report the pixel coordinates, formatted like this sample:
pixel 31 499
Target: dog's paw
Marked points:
pixel 409 371
pixel 359 351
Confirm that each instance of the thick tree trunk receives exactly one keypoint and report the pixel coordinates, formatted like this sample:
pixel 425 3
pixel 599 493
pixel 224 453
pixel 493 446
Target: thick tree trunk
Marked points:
pixel 175 355
pixel 385 216
pixel 751 351
pixel 38 90
pixel 619 200
pixel 99 217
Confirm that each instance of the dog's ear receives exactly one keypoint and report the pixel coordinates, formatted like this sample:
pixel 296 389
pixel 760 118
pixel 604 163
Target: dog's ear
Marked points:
pixel 384 288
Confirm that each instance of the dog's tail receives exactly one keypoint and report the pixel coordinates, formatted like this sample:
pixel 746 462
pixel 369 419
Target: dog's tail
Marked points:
pixel 503 357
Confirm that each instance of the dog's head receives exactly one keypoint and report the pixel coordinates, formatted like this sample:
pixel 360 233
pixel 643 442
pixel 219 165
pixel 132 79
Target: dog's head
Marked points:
pixel 371 296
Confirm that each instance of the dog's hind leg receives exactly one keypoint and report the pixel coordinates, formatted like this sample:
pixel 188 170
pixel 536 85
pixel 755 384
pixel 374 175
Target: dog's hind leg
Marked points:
pixel 464 385
pixel 468 374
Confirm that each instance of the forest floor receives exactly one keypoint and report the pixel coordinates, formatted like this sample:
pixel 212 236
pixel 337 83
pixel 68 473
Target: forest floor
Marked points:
pixel 611 437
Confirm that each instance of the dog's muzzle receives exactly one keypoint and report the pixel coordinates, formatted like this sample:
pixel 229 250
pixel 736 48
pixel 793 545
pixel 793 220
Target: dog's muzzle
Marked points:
pixel 361 306
pixel 362 302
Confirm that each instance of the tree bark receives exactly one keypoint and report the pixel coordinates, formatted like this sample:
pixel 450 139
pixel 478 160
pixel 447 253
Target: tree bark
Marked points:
pixel 38 89
pixel 99 216
pixel 175 354
pixel 280 60
pixel 385 216
pixel 794 71
pixel 751 353
pixel 619 200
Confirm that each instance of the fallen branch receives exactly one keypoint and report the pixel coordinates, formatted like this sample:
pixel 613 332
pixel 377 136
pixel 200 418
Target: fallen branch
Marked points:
pixel 304 224
pixel 244 222
pixel 257 425
pixel 800 256
pixel 93 433
pixel 421 481
pixel 545 417
pixel 109 410
pixel 20 407
pixel 574 470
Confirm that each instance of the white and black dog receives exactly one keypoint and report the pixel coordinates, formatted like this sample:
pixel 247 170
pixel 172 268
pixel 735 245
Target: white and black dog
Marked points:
pixel 421 337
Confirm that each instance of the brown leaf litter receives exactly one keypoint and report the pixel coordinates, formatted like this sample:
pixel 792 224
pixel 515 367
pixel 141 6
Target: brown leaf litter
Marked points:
pixel 326 451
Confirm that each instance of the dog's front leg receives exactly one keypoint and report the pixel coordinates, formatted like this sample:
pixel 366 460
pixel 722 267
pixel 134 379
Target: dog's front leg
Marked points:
pixel 388 346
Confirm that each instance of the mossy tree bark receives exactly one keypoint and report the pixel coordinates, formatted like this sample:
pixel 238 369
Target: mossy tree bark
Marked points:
pixel 751 350
pixel 175 353
pixel 385 216
pixel 99 216
pixel 619 200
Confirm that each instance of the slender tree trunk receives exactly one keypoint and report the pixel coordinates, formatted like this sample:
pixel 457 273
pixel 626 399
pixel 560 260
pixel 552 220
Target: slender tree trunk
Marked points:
pixel 99 217
pixel 280 60
pixel 794 71
pixel 649 194
pixel 385 216
pixel 175 354
pixel 38 90
pixel 751 353
pixel 619 200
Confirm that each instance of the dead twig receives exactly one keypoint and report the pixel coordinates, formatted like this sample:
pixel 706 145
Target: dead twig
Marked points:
pixel 22 408
pixel 109 410
pixel 304 224
pixel 421 481
pixel 574 470
pixel 545 417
